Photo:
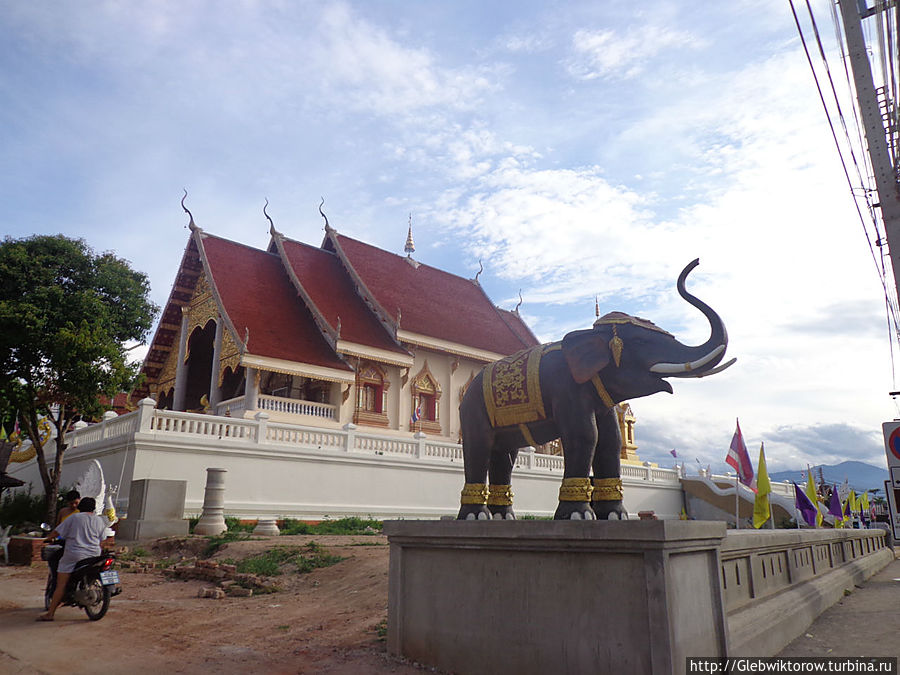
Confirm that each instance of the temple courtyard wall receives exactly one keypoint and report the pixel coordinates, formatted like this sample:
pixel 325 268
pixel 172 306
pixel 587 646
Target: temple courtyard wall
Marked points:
pixel 308 472
pixel 611 596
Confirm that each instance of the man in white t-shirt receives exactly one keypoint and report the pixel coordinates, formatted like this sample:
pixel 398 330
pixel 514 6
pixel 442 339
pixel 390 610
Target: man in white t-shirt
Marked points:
pixel 83 532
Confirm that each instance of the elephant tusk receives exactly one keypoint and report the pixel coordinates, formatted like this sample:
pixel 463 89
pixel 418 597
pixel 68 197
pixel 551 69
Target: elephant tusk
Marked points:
pixel 718 369
pixel 675 368
pixel 712 371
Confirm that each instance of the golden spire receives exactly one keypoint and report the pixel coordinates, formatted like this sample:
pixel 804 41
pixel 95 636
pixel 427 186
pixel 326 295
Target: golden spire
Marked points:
pixel 410 247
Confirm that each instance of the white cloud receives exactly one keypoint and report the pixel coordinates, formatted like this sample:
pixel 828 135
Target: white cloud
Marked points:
pixel 612 54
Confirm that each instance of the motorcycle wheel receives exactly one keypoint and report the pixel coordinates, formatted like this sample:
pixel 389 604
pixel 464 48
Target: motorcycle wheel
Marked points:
pixel 48 591
pixel 100 595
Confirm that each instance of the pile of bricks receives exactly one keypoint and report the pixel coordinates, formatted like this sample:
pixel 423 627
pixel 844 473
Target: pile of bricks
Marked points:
pixel 226 577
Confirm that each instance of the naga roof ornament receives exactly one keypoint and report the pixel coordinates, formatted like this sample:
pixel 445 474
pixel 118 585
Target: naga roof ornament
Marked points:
pixel 272 230
pixel 191 224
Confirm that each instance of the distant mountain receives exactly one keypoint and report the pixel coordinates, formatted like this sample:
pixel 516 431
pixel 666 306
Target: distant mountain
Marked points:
pixel 860 475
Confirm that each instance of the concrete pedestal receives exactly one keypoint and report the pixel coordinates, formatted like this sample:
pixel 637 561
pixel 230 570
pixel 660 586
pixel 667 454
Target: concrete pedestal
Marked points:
pixel 266 526
pixel 555 596
pixel 212 520
pixel 155 509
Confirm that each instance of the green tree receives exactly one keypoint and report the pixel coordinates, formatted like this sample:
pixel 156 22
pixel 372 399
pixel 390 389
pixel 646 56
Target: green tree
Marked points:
pixel 66 315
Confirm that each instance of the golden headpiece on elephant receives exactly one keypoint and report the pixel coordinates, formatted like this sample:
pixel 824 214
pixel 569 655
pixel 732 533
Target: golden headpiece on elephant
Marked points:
pixel 616 345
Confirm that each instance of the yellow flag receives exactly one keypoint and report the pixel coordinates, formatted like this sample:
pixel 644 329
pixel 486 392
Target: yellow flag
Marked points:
pixel 761 509
pixel 864 501
pixel 854 504
pixel 813 497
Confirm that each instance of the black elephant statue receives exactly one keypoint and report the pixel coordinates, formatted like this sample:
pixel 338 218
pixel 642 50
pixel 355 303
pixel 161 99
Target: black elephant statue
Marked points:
pixel 568 390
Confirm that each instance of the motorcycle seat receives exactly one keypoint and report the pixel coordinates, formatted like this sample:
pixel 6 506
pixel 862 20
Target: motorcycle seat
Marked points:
pixel 87 562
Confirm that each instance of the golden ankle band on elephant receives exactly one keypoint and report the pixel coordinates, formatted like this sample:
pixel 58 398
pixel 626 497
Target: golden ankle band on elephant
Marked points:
pixel 568 390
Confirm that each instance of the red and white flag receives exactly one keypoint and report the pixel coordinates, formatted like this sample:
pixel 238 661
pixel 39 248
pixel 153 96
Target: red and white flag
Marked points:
pixel 739 458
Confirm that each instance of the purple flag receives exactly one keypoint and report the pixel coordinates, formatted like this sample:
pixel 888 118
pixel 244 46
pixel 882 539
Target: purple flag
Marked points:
pixel 673 453
pixel 834 504
pixel 805 506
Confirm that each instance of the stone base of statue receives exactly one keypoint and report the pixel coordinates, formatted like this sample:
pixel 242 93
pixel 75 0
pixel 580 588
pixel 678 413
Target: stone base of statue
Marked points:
pixel 155 509
pixel 555 596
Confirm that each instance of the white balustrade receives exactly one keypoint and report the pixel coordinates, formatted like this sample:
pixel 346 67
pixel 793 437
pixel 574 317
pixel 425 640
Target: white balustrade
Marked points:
pixel 293 406
pixel 385 445
pixel 113 427
pixel 451 451
pixel 233 407
pixel 283 437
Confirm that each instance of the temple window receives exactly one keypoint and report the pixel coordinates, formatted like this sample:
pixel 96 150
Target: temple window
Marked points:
pixel 426 396
pixel 371 395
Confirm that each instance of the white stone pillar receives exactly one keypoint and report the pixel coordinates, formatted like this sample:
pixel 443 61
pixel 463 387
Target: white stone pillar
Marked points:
pixel 215 394
pixel 212 521
pixel 251 389
pixel 180 370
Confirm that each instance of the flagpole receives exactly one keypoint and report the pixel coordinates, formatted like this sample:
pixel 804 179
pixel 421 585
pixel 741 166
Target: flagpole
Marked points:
pixel 737 503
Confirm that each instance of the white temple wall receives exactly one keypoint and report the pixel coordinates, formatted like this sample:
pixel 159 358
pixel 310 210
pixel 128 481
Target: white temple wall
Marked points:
pixel 312 473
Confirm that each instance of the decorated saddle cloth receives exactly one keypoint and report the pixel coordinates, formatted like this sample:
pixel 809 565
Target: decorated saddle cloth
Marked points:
pixel 512 389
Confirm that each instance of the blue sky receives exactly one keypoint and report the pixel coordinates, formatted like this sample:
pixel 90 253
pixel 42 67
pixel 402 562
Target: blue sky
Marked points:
pixel 577 148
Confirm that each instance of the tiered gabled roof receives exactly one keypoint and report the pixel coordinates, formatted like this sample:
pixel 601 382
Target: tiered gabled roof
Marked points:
pixel 258 299
pixel 424 302
pixel 317 307
pixel 328 289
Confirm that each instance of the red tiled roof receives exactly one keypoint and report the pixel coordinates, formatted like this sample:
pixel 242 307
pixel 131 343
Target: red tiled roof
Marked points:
pixel 432 302
pixel 519 327
pixel 257 294
pixel 332 292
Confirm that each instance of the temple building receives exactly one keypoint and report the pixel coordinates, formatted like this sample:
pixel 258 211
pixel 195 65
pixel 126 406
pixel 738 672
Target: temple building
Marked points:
pixel 344 333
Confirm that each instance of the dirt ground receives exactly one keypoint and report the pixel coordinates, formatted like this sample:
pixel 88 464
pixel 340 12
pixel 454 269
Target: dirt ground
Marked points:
pixel 330 620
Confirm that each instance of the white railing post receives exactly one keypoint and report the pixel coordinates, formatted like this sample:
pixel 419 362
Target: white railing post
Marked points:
pixel 107 416
pixel 145 415
pixel 350 438
pixel 527 458
pixel 78 426
pixel 262 427
pixel 649 469
pixel 420 443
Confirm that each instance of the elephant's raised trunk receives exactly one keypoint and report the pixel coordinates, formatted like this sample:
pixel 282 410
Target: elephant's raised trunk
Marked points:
pixel 702 360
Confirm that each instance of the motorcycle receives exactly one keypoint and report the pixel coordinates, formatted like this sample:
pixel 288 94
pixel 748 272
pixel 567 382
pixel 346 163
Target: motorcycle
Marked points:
pixel 91 585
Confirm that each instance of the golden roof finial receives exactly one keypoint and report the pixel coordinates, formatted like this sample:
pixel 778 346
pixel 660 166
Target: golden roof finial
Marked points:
pixel 516 310
pixel 596 306
pixel 410 247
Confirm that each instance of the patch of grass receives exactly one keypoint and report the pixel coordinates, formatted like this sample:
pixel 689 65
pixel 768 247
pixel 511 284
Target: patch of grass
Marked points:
pixel 341 526
pixel 234 525
pixel 368 543
pixel 528 516
pixel 268 563
pixel 381 630
pixel 314 557
pixel 192 523
pixel 284 627
pixel 218 541
pixel 272 562
pixel 292 526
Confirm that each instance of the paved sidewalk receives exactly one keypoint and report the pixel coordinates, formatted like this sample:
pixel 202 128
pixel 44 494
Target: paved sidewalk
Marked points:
pixel 864 623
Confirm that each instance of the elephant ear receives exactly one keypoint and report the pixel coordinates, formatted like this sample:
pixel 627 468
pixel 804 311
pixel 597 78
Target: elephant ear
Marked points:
pixel 586 353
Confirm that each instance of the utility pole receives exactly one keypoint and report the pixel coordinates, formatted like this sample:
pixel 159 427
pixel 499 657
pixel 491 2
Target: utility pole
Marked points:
pixel 873 121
